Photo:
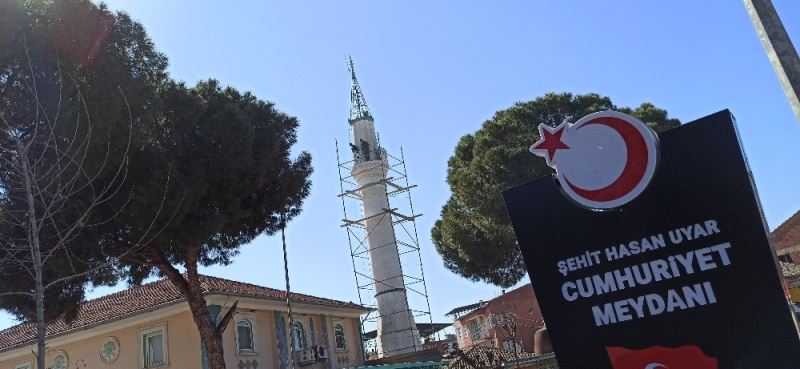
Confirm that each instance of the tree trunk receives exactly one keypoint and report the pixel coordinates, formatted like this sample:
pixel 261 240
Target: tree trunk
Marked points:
pixel 516 354
pixel 210 333
pixel 36 258
pixel 40 326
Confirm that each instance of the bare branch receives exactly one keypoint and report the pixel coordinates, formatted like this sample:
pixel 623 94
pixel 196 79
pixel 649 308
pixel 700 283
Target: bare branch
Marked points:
pixel 24 294
pixel 54 182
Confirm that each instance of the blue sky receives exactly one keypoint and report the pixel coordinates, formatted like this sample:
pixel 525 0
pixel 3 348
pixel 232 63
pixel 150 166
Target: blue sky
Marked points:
pixel 433 71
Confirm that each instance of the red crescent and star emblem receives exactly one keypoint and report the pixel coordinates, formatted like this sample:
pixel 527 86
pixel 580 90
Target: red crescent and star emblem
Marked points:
pixel 603 161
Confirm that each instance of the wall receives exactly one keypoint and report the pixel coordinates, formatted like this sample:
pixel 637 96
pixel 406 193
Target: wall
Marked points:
pixel 270 348
pixel 462 339
pixel 182 347
pixel 183 343
pixel 265 355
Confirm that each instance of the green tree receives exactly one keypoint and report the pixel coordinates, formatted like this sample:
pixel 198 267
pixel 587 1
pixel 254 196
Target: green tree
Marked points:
pixel 474 235
pixel 227 157
pixel 74 79
pixel 216 161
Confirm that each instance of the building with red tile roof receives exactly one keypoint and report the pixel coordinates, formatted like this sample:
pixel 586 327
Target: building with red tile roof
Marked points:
pixel 157 312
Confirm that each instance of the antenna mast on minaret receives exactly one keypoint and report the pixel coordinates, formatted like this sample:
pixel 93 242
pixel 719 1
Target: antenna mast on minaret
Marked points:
pixel 358 104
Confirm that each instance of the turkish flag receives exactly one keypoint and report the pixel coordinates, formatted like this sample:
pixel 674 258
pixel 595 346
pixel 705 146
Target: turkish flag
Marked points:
pixel 660 357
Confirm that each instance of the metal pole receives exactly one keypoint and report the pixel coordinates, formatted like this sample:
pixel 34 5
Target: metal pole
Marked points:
pixel 416 241
pixel 288 291
pixel 339 163
pixel 780 51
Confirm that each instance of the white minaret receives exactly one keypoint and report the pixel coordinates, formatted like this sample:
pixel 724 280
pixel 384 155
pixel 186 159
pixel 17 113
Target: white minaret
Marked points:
pixel 397 332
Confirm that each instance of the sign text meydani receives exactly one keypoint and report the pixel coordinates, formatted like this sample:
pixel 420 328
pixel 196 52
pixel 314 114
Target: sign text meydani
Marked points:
pixel 688 259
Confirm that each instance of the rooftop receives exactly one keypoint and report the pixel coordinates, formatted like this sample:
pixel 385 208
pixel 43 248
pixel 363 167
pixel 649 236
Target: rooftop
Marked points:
pixel 149 297
pixel 467 309
pixel 485 357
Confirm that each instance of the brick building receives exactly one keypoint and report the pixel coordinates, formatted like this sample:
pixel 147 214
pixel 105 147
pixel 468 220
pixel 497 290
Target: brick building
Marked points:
pixel 512 316
pixel 786 240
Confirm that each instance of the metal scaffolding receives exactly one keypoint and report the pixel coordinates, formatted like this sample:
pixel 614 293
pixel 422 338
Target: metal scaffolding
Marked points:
pixel 403 218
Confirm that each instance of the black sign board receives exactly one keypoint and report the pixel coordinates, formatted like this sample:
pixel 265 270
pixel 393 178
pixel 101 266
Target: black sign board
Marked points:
pixel 681 277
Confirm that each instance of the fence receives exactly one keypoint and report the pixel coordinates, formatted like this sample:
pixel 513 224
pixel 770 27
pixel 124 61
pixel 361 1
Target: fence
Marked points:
pixel 544 361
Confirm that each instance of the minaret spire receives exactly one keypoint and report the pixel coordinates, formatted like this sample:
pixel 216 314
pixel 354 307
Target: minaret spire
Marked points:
pixel 358 104
pixel 397 331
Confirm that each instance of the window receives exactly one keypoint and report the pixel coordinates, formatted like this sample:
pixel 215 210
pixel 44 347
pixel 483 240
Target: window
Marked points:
pixel 153 346
pixel 476 329
pixel 244 336
pixel 338 336
pixel 299 336
pixel 153 349
pixel 110 350
pixel 60 361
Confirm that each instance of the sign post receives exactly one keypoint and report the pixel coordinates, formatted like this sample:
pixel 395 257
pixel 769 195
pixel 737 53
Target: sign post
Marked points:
pixel 651 252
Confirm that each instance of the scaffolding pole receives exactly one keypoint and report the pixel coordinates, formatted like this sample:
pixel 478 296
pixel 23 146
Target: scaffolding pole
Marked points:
pixel 403 217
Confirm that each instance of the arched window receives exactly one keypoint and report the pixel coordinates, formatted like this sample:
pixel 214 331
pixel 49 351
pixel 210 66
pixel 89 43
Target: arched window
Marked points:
pixel 244 335
pixel 299 336
pixel 338 335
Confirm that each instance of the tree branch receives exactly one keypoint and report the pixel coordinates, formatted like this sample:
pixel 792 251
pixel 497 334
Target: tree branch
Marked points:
pixel 227 318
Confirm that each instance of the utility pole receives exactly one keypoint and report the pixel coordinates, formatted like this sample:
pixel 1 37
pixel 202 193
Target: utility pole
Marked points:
pixel 780 51
pixel 288 291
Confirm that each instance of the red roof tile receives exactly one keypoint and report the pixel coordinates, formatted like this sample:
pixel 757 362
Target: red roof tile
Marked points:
pixel 149 297
pixel 486 357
